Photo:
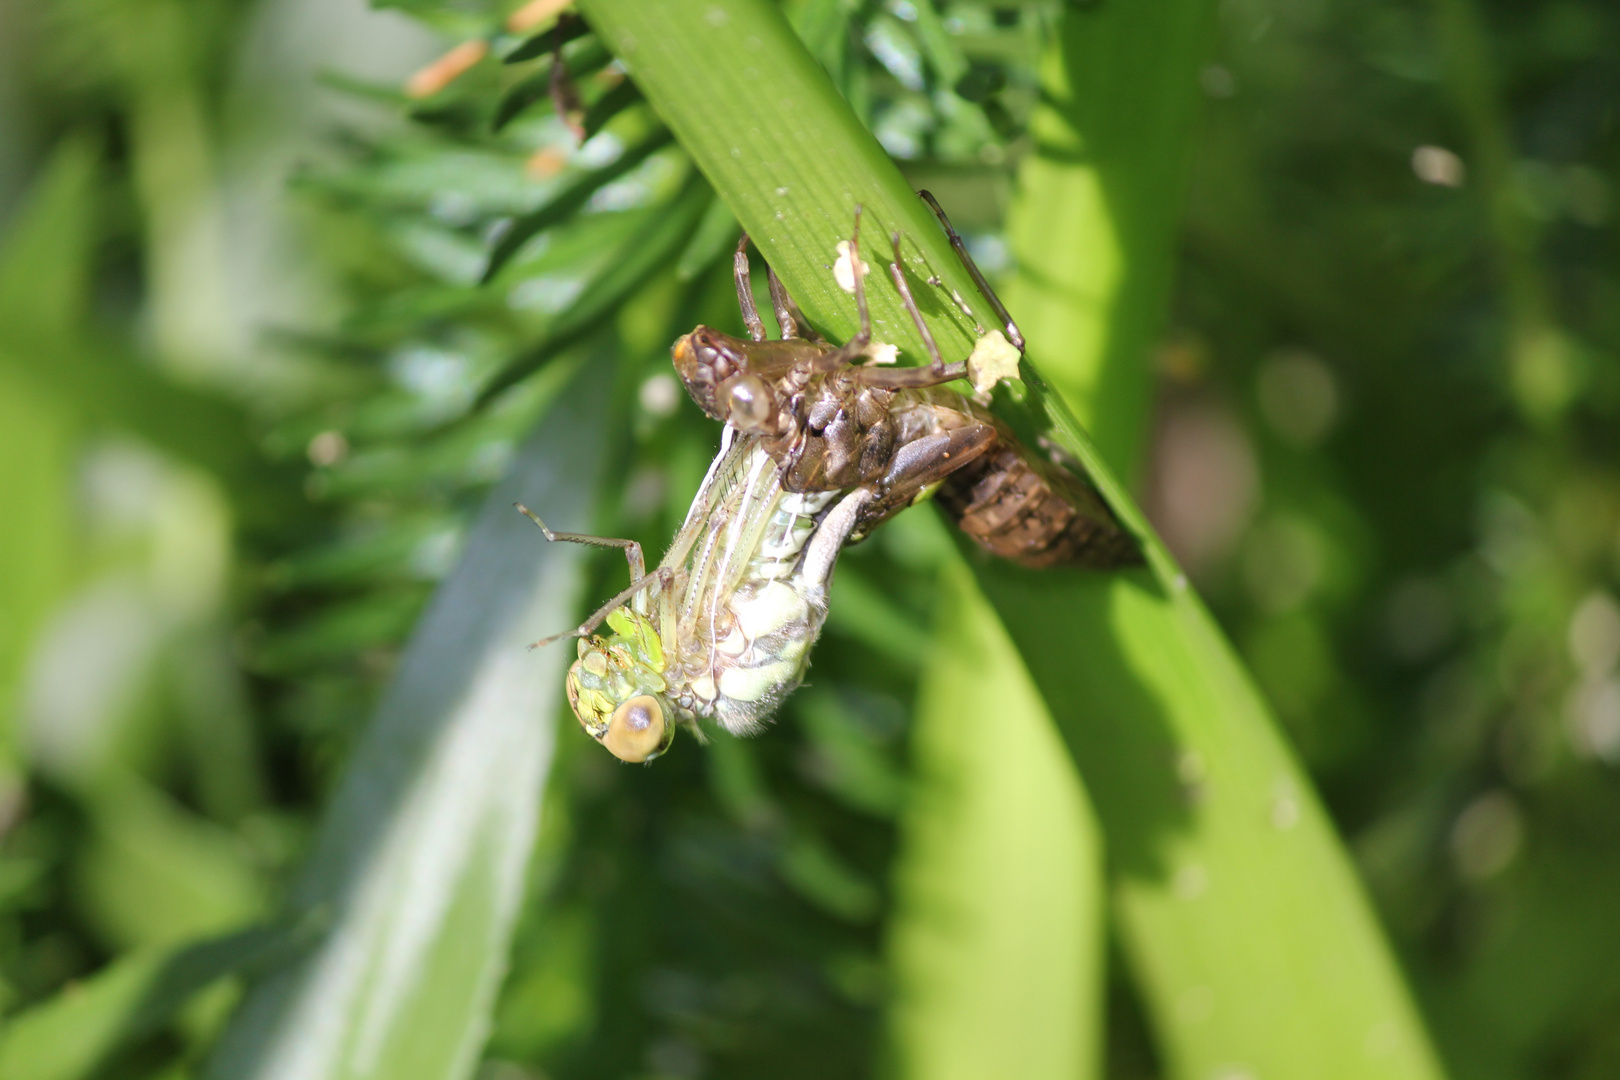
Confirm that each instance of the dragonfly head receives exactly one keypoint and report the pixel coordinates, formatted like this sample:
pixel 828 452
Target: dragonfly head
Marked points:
pixel 617 689
pixel 717 372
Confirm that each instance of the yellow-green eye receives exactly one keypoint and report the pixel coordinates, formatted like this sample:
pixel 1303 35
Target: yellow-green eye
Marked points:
pixel 637 730
pixel 748 402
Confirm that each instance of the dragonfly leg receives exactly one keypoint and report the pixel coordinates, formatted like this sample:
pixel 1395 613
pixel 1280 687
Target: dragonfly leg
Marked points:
pixel 632 550
pixel 846 354
pixel 783 305
pixel 937 370
pixel 740 270
pixel 821 553
pixel 985 290
pixel 661 576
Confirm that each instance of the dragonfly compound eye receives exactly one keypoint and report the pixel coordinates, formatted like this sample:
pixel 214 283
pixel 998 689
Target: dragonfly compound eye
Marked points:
pixel 748 401
pixel 638 731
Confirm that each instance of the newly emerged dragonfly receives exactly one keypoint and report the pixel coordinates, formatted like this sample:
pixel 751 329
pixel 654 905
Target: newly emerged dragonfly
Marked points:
pixel 722 628
pixel 832 424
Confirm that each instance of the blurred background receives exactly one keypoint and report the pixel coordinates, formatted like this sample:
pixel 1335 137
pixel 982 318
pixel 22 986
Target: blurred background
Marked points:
pixel 252 391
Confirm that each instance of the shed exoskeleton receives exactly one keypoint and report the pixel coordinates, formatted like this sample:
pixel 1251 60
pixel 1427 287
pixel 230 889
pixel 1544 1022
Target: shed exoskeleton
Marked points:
pixel 833 424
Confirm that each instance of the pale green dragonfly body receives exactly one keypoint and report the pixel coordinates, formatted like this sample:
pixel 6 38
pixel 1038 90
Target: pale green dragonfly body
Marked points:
pixel 723 627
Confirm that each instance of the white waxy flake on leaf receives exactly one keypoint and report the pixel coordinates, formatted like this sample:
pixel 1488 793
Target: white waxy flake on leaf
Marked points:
pixel 881 352
pixel 843 268
pixel 994 358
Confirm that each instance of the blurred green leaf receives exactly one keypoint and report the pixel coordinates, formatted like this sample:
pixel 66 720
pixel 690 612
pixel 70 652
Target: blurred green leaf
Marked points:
pixel 822 877
pixel 570 200
pixel 519 98
pixel 996 943
pixel 108 386
pixel 44 346
pixel 43 279
pixel 715 234
pixel 339 629
pixel 545 41
pixel 421 860
pixel 154 873
pixel 861 611
pixel 847 760
pixel 71 1035
pixel 609 105
pixel 1097 207
pixel 641 258
pixel 1216 839
pixel 45 271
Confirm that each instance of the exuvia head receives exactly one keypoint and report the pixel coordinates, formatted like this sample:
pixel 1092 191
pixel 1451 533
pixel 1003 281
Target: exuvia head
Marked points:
pixel 715 369
pixel 617 690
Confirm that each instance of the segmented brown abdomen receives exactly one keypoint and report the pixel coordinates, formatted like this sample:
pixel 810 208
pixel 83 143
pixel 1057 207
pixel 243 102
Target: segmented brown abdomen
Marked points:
pixel 1034 516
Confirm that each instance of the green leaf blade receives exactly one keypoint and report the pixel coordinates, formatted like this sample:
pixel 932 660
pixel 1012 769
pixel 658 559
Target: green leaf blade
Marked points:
pixel 420 865
pixel 997 944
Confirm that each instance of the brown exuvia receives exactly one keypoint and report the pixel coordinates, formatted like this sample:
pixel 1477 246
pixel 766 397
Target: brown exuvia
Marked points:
pixel 834 425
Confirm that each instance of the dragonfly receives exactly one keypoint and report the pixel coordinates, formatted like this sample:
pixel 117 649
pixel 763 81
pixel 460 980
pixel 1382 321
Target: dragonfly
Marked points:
pixel 833 424
pixel 723 627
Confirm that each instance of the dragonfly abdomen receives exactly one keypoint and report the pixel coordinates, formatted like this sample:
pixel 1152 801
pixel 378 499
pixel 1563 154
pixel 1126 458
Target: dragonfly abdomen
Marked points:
pixel 762 632
pixel 763 658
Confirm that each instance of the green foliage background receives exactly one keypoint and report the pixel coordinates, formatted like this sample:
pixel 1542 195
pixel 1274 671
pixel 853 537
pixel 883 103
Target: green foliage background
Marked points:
pixel 1332 285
